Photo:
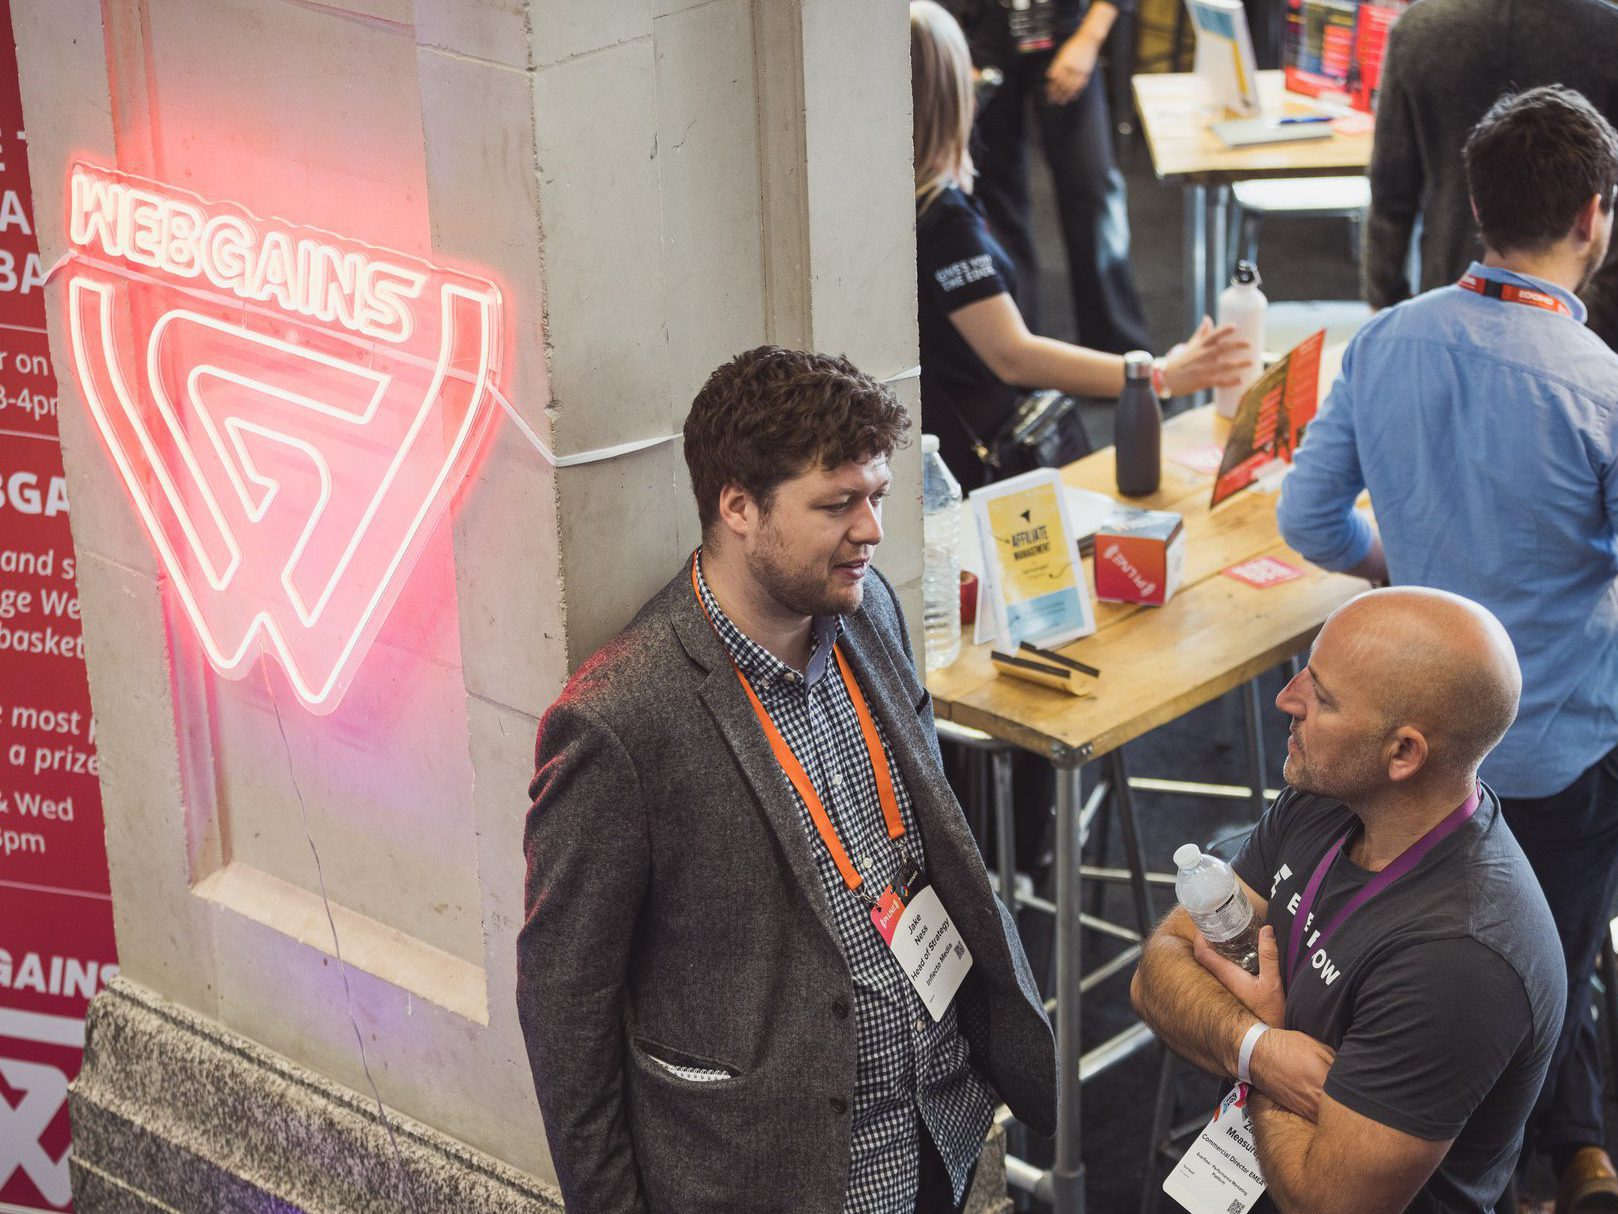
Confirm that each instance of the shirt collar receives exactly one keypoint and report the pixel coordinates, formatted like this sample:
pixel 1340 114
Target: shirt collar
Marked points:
pixel 1574 304
pixel 762 668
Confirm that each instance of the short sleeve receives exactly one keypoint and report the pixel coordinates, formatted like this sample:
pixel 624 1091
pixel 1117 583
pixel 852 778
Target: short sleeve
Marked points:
pixel 1260 853
pixel 957 258
pixel 1418 1057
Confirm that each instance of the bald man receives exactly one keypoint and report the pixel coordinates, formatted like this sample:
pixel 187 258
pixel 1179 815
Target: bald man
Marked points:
pixel 1411 987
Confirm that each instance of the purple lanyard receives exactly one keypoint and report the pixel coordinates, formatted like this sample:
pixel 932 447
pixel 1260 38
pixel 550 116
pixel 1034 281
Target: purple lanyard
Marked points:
pixel 1402 864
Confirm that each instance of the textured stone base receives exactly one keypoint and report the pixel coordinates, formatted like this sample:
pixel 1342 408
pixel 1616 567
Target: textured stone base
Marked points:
pixel 174 1115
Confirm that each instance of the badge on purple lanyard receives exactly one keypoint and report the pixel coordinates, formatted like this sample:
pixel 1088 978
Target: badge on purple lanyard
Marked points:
pixel 1402 864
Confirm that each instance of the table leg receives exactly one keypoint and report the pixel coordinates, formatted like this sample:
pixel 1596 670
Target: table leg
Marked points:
pixel 1196 254
pixel 1255 745
pixel 1218 234
pixel 1004 828
pixel 1067 1173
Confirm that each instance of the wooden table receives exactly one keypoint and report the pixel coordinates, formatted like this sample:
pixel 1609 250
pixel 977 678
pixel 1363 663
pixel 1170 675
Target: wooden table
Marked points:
pixel 1156 664
pixel 1175 118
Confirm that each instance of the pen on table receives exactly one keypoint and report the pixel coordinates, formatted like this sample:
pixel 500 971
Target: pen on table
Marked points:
pixel 1302 120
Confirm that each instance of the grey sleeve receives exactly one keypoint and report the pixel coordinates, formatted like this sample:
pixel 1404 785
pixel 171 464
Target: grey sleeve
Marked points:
pixel 588 864
pixel 1256 862
pixel 1433 1027
pixel 1396 184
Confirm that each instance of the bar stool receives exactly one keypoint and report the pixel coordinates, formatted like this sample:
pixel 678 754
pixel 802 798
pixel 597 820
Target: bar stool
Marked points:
pixel 1314 197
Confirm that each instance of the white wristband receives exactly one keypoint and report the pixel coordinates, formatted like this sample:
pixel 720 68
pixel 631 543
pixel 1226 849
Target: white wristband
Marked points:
pixel 1244 1057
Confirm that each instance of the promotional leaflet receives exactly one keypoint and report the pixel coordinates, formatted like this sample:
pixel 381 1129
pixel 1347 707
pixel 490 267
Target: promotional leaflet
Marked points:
pixel 56 938
pixel 1271 418
pixel 1033 587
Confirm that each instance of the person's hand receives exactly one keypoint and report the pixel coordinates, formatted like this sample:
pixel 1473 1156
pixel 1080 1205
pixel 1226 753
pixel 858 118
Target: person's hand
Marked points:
pixel 1261 995
pixel 1071 68
pixel 1209 358
pixel 1291 1068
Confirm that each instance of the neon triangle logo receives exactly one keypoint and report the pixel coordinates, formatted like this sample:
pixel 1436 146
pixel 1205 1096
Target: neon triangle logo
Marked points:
pixel 290 411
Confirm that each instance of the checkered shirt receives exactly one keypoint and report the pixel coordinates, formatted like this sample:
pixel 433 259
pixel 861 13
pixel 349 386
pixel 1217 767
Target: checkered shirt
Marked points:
pixel 907 1065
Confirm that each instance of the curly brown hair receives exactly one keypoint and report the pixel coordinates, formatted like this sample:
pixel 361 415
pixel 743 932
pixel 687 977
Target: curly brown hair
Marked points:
pixel 771 414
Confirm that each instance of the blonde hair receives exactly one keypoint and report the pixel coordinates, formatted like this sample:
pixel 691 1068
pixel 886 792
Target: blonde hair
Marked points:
pixel 941 99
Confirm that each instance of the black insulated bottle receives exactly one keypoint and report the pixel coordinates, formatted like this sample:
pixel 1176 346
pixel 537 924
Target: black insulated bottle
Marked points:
pixel 1138 429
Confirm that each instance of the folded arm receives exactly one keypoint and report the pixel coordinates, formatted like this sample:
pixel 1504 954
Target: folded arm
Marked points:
pixel 1202 1020
pixel 1344 1163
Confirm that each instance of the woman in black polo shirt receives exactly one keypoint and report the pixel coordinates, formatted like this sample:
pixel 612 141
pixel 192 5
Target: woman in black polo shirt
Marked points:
pixel 977 355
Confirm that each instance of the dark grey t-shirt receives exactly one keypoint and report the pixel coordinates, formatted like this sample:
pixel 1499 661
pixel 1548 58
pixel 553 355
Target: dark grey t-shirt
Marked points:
pixel 1442 995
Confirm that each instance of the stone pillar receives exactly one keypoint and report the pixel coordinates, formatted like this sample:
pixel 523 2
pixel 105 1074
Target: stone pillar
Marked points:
pixel 654 185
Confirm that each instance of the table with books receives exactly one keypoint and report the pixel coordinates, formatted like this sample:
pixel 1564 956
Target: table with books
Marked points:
pixel 1177 124
pixel 1216 633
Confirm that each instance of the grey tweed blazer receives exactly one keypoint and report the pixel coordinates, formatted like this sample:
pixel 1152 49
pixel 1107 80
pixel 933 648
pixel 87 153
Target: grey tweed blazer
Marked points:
pixel 674 910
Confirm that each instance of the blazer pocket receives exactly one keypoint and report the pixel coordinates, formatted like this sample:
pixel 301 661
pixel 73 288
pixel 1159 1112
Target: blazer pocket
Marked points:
pixel 693 1068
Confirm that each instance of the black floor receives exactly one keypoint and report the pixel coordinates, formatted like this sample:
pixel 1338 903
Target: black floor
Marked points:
pixel 1300 259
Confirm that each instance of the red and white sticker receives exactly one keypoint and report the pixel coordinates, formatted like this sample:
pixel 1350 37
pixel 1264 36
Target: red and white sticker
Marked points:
pixel 1262 572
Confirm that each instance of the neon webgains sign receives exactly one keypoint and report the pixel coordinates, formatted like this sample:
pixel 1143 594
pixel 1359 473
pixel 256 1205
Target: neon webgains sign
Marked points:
pixel 290 411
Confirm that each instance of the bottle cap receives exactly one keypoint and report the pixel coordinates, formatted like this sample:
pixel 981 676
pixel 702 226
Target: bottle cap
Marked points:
pixel 929 444
pixel 1247 272
pixel 1187 855
pixel 1137 365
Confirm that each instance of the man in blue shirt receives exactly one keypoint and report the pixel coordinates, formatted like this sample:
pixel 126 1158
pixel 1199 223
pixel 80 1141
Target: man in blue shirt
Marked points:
pixel 1483 418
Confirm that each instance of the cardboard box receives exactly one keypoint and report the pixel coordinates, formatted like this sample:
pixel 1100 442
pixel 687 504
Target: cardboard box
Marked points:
pixel 1140 556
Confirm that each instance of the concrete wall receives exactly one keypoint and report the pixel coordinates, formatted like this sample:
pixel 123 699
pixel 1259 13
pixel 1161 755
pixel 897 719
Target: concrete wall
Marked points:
pixel 655 185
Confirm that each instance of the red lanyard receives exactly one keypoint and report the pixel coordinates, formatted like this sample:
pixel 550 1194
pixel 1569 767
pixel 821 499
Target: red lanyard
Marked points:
pixel 800 779
pixel 1511 293
pixel 1402 864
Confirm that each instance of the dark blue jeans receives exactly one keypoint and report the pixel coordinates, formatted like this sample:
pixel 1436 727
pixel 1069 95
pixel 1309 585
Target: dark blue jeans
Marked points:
pixel 1571 839
pixel 1077 141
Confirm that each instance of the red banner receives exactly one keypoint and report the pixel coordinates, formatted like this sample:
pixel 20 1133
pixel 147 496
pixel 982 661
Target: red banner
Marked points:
pixel 56 941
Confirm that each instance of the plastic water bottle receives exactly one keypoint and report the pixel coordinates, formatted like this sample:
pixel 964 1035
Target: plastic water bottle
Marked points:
pixel 940 556
pixel 1207 888
pixel 1242 304
pixel 1137 429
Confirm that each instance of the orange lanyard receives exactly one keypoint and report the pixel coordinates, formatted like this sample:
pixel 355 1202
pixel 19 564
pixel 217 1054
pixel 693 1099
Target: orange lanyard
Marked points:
pixel 1512 293
pixel 800 778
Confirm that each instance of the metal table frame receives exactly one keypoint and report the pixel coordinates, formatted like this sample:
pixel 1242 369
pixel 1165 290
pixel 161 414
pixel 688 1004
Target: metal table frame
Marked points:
pixel 1063 1183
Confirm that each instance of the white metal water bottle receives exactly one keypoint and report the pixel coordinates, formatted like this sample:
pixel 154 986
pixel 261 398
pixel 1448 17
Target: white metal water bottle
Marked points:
pixel 1207 888
pixel 1242 304
pixel 940 556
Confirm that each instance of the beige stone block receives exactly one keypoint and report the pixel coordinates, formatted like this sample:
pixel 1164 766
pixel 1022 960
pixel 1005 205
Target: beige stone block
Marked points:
pixel 503 763
pixel 225 72
pixel 900 553
pixel 599 194
pixel 565 29
pixel 483 200
pixel 382 784
pixel 429 1062
pixel 162 940
pixel 508 576
pixel 618 542
pixel 494 30
pixel 103 515
pixel 861 190
pixel 707 140
pixel 56 42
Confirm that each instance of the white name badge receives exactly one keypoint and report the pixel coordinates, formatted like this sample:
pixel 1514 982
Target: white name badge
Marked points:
pixel 929 947
pixel 1219 1173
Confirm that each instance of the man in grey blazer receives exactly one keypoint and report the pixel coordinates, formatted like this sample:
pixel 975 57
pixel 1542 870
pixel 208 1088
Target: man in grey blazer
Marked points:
pixel 723 795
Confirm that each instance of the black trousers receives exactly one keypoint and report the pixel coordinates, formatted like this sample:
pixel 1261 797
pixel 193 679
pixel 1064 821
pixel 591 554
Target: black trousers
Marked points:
pixel 1571 839
pixel 1077 142
pixel 935 1194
